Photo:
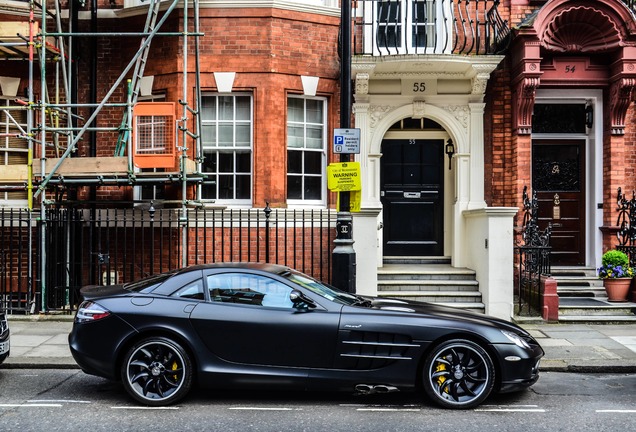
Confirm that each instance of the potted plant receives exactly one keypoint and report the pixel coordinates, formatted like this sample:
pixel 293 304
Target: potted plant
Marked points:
pixel 616 274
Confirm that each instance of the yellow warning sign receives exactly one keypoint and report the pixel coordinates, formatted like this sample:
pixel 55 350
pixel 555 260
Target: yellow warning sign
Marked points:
pixel 355 198
pixel 344 176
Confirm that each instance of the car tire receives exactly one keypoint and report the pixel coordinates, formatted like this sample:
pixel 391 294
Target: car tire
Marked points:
pixel 157 371
pixel 458 374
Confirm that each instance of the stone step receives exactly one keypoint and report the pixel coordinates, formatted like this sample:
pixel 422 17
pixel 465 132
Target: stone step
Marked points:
pixel 598 319
pixel 428 285
pixel 434 272
pixel 435 296
pixel 429 279
pixel 581 291
pixel 595 310
pixel 582 298
pixel 417 260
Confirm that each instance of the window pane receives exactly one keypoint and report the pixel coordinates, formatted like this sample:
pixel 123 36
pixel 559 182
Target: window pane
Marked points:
pixel 313 188
pixel 208 108
pixel 209 161
pixel 294 162
pixel 243 109
pixel 226 186
pixel 226 108
pixel 226 162
pixel 243 135
pixel 314 137
pixel 389 11
pixel 294 187
pixel 558 118
pixel 314 111
pixel 208 191
pixel 313 162
pixel 208 135
pixel 295 108
pixel 243 186
pixel 295 136
pixel 226 136
pixel 243 163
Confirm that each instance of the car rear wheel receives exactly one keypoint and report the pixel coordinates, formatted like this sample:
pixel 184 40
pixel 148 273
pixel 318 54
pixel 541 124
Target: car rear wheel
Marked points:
pixel 157 371
pixel 458 374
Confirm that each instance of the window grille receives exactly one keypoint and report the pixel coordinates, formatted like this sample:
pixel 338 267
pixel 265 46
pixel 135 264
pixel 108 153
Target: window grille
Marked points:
pixel 154 135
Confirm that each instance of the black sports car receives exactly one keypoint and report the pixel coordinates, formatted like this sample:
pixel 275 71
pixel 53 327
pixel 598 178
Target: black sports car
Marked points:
pixel 245 325
pixel 5 344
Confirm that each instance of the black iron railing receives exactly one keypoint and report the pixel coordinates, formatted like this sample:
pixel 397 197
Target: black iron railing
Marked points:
pixel 106 246
pixel 534 258
pixel 393 27
pixel 17 262
pixel 626 223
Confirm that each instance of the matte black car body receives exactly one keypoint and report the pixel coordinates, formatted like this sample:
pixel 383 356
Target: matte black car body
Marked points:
pixel 5 343
pixel 180 330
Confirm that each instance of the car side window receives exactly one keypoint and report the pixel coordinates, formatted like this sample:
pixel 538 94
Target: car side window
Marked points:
pixel 192 290
pixel 249 289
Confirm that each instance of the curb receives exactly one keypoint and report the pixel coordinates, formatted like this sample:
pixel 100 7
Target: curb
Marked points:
pixel 41 318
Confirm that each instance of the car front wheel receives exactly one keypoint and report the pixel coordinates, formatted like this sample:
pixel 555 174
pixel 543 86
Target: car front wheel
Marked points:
pixel 458 374
pixel 157 371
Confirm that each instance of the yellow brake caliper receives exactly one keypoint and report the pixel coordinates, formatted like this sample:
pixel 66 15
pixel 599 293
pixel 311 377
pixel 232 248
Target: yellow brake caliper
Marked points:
pixel 440 367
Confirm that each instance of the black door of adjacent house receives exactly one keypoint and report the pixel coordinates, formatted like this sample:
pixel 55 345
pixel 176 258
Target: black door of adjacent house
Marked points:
pixel 558 180
pixel 411 182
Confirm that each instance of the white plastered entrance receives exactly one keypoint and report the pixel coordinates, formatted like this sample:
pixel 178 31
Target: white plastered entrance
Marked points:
pixel 476 236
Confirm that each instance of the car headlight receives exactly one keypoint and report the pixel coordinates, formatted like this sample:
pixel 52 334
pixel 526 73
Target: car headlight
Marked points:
pixel 516 339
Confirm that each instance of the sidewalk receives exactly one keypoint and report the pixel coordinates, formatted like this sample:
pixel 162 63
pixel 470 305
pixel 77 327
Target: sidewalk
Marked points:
pixel 42 342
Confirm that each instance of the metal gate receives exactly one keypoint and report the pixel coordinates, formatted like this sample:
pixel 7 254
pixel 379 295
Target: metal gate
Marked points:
pixel 79 247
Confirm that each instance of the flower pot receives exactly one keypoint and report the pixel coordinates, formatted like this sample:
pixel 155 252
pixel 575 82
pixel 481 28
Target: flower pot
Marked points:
pixel 617 289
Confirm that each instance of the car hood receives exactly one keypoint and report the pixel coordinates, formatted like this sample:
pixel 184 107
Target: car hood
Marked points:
pixel 448 313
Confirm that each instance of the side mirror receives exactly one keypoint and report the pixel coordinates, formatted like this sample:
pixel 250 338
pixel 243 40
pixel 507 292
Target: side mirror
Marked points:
pixel 300 300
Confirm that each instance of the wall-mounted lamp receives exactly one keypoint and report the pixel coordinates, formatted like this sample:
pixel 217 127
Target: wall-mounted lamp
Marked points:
pixel 589 115
pixel 449 149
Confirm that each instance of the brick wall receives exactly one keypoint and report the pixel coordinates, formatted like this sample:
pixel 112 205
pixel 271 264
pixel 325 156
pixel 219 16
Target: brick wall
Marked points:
pixel 269 49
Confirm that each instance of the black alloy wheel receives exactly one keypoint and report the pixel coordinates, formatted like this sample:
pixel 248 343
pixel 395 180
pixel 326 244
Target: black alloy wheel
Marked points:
pixel 458 374
pixel 157 371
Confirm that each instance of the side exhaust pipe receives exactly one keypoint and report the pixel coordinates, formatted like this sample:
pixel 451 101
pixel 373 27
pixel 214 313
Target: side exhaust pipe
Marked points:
pixel 367 389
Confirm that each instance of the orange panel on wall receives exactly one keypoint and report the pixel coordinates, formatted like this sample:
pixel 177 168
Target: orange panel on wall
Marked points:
pixel 154 135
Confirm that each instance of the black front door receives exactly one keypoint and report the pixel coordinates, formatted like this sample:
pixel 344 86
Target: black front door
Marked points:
pixel 557 178
pixel 412 179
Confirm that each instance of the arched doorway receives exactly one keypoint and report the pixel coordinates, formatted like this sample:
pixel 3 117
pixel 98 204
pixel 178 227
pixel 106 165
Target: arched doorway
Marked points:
pixel 412 188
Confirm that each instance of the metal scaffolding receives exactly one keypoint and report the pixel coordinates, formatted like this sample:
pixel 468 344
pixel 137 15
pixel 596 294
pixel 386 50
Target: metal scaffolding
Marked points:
pixel 53 127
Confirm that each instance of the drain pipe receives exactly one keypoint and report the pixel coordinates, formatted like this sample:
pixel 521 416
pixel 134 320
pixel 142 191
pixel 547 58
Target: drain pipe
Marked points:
pixel 92 152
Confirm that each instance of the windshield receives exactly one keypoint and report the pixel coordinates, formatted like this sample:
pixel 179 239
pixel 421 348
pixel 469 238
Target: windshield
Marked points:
pixel 322 289
pixel 149 283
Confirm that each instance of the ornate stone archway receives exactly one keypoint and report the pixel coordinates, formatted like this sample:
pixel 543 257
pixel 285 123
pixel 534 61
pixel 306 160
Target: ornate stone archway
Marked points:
pixel 585 28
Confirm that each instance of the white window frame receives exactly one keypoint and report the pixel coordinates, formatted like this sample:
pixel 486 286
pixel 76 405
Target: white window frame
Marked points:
pixel 406 24
pixel 323 152
pixel 236 202
pixel 8 126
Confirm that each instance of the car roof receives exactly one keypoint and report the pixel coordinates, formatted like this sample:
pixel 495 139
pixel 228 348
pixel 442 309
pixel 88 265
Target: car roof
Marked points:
pixel 265 267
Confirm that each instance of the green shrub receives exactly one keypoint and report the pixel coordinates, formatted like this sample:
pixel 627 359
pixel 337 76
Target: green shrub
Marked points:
pixel 615 258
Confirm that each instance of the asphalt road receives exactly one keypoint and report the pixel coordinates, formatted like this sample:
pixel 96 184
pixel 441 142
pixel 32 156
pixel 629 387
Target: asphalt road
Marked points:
pixel 69 400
